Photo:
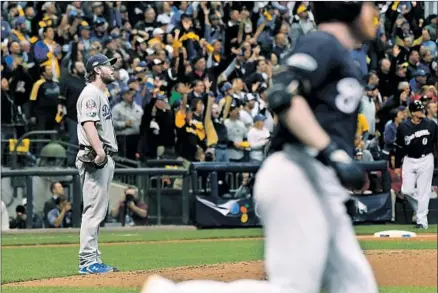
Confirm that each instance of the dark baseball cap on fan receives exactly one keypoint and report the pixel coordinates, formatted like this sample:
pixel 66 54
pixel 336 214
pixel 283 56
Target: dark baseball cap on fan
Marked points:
pixel 98 60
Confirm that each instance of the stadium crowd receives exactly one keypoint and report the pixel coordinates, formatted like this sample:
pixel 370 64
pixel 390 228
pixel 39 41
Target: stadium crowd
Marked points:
pixel 192 77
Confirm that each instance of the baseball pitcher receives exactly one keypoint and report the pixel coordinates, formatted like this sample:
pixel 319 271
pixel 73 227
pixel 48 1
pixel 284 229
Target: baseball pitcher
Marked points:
pixel 97 143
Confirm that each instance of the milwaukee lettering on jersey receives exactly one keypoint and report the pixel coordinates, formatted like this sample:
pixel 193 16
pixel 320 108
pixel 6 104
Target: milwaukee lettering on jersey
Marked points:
pixel 415 140
pixel 417 134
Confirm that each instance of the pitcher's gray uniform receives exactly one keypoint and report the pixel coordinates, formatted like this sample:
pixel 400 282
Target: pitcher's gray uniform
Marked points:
pixel 93 105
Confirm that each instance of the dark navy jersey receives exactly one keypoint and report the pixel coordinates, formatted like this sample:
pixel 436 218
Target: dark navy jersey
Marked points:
pixel 334 91
pixel 416 140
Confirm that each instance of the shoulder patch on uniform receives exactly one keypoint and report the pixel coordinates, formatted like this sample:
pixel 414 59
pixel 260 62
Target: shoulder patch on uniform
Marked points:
pixel 90 104
pixel 302 61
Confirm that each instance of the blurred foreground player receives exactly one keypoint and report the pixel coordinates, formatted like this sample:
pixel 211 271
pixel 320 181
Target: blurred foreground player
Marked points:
pixel 299 191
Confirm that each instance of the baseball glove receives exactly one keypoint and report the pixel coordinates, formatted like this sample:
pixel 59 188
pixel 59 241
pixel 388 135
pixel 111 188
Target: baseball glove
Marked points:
pixel 89 158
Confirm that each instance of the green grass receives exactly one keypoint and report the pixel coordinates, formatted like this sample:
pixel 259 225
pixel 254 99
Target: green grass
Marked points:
pixel 159 235
pixel 397 244
pixel 32 263
pixel 69 290
pixel 136 290
pixel 407 290
pixel 129 236
pixel 62 261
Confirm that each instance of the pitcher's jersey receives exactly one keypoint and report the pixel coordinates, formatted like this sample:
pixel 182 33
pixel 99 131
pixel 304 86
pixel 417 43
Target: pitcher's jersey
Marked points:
pixel 93 105
pixel 335 89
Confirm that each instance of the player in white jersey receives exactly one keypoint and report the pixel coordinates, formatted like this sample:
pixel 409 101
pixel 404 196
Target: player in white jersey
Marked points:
pixel 97 145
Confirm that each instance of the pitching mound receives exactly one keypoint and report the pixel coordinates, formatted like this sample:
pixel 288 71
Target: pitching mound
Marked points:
pixel 391 267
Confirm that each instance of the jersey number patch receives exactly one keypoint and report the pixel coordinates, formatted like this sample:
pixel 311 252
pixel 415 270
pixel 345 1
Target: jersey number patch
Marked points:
pixel 349 95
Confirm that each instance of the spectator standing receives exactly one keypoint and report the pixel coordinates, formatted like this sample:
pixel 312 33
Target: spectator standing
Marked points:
pixel 45 100
pixel 304 24
pixel 48 52
pixel 426 62
pixel 20 33
pixel 10 113
pixel 362 125
pixel 419 78
pixel 428 43
pixel 237 134
pixel 359 55
pixel 127 119
pixel 397 115
pixel 190 133
pixel 258 138
pixel 413 62
pixel 432 111
pixel 163 116
pixel 216 132
pixel 387 77
pixel 261 107
pixel 369 107
pixel 245 114
pixel 71 87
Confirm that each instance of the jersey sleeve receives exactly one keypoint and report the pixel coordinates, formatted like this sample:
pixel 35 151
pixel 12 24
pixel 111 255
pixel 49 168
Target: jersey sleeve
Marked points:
pixel 310 61
pixel 301 71
pixel 89 110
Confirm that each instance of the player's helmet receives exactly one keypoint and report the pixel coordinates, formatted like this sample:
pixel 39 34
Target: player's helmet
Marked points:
pixel 343 11
pixel 416 106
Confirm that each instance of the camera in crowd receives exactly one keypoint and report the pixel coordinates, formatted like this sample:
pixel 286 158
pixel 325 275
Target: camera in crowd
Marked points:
pixel 130 197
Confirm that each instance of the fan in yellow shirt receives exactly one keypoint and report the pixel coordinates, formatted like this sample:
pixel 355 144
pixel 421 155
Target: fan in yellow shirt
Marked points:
pixel 362 125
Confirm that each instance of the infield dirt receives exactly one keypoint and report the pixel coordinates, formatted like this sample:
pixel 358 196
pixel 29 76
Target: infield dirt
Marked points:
pixel 391 268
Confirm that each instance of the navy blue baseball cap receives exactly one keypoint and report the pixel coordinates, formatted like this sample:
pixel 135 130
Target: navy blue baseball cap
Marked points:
pixel 107 40
pixel 20 20
pixel 133 79
pixel 370 87
pixel 259 117
pixel 416 106
pixel 419 72
pixel 126 90
pixel 226 87
pixel 99 60
pixel 99 21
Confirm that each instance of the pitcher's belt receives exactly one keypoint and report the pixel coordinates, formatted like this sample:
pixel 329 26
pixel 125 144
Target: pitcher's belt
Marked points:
pixel 106 148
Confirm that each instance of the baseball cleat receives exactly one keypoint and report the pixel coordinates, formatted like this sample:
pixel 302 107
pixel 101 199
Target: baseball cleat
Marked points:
pixel 97 268
pixel 157 284
pixel 420 226
pixel 114 269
